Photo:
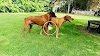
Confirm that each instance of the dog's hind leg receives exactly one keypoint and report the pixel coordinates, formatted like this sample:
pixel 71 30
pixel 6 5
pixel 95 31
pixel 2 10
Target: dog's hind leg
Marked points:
pixel 30 27
pixel 25 27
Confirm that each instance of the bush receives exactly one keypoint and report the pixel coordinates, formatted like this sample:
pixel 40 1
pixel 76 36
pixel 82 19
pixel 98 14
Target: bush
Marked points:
pixel 24 7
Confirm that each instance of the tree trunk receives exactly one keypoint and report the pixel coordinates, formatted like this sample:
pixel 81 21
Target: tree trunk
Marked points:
pixel 68 7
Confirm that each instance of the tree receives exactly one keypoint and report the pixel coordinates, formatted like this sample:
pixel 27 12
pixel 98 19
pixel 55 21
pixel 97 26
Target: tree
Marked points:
pixel 52 4
pixel 69 2
pixel 95 6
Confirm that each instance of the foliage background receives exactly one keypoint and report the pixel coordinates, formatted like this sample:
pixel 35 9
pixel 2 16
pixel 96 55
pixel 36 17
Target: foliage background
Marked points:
pixel 45 6
pixel 24 6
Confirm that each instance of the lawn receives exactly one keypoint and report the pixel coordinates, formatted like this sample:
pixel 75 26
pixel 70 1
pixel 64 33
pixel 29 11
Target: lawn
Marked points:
pixel 72 41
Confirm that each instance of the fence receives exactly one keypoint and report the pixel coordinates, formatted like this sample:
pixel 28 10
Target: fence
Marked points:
pixel 82 12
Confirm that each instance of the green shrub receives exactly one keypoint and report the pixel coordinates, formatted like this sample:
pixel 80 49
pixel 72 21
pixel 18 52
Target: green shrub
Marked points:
pixel 24 7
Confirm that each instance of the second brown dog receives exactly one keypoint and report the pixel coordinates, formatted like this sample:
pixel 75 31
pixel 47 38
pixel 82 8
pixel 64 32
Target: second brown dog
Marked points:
pixel 60 21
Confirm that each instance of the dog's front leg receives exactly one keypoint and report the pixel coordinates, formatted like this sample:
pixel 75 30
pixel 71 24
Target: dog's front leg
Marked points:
pixel 57 30
pixel 30 27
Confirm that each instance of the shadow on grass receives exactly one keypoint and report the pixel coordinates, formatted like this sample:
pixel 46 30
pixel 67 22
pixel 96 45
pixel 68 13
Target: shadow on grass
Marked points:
pixel 69 28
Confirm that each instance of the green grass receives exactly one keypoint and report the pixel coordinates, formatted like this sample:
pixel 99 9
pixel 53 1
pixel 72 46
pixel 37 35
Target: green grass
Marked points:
pixel 72 40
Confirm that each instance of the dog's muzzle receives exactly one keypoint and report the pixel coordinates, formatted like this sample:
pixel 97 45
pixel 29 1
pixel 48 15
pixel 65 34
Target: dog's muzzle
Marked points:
pixel 70 20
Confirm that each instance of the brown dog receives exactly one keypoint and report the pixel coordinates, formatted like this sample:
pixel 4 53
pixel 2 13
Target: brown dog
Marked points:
pixel 60 21
pixel 39 20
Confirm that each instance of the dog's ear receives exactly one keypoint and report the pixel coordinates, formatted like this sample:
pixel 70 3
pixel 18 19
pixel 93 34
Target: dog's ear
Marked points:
pixel 52 14
pixel 65 18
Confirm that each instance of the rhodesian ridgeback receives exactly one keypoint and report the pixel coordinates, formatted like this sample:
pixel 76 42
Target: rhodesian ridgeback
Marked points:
pixel 39 20
pixel 59 22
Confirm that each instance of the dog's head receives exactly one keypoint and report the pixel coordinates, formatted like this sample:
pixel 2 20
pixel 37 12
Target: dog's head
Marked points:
pixel 68 18
pixel 52 14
